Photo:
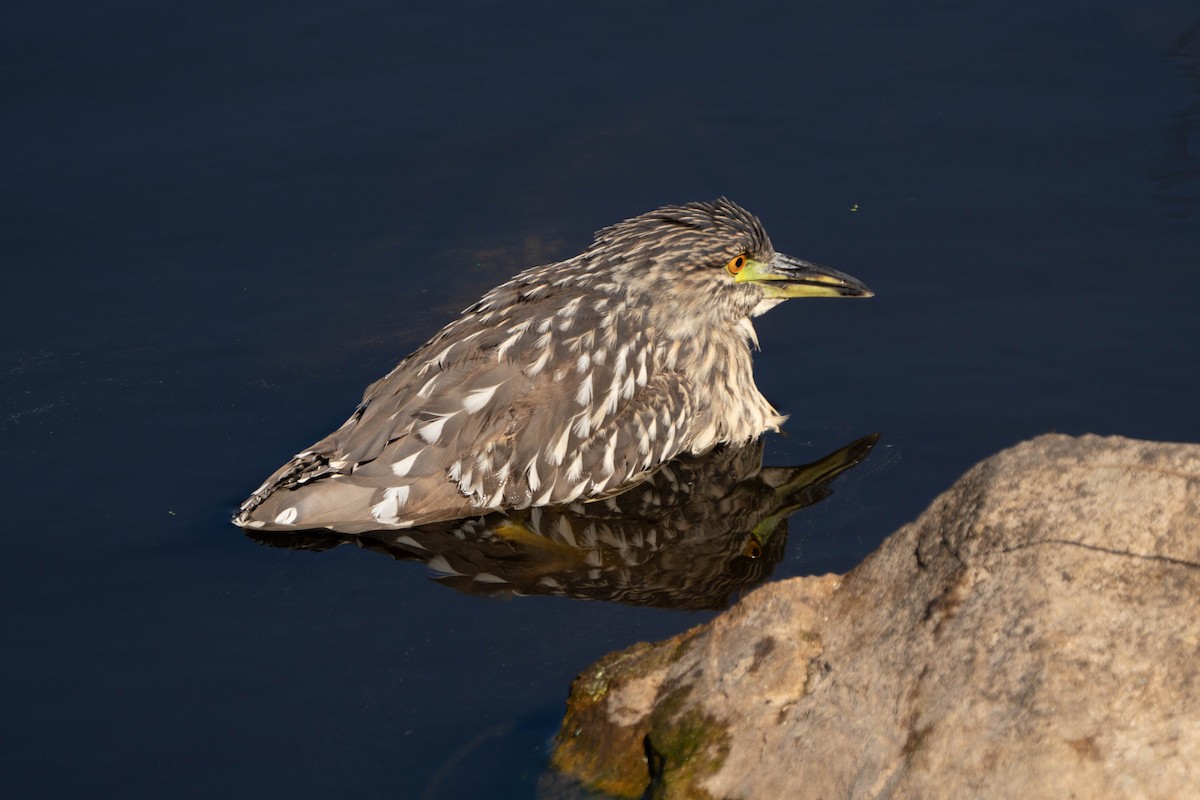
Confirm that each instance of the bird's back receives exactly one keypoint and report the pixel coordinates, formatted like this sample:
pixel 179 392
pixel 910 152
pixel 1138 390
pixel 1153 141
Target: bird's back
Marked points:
pixel 528 399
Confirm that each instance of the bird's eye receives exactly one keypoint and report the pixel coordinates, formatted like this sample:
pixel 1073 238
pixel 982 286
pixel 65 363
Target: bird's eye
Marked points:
pixel 736 265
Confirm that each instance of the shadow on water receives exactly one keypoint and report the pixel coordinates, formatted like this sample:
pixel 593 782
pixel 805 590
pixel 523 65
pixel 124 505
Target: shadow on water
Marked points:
pixel 694 535
pixel 1177 178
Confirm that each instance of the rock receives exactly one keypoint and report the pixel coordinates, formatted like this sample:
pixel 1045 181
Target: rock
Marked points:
pixel 1034 634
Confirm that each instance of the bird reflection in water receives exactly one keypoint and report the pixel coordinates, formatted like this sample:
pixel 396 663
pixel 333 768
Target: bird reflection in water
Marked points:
pixel 694 534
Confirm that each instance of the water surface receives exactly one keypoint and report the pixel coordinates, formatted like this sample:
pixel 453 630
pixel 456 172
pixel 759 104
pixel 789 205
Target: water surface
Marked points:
pixel 219 223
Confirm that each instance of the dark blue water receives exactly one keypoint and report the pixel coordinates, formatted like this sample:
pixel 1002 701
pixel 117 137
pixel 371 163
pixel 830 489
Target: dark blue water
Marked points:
pixel 220 221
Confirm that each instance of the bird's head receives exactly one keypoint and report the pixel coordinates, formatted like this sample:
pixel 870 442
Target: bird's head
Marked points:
pixel 712 258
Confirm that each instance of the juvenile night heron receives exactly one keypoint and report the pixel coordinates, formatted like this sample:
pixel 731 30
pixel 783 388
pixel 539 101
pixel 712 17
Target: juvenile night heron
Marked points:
pixel 572 381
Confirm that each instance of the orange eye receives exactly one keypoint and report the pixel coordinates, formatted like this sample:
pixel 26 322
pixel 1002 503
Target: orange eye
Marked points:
pixel 736 265
pixel 752 548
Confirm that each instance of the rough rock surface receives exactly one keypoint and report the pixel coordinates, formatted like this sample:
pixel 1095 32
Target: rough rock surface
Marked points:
pixel 1034 634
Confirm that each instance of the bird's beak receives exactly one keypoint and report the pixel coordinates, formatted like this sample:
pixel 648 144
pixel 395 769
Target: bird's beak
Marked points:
pixel 784 277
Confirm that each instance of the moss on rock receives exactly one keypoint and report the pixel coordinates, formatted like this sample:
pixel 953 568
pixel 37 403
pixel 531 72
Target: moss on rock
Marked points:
pixel 683 747
pixel 604 745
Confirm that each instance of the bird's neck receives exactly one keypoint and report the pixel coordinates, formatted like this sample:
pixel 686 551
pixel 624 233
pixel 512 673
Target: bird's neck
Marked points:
pixel 716 359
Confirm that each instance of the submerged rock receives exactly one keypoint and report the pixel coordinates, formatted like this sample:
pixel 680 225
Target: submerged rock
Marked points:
pixel 1034 634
